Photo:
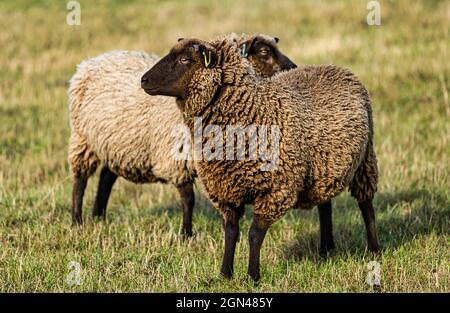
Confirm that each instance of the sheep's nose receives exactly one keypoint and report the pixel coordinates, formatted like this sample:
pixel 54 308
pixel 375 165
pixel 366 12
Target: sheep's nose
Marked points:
pixel 144 81
pixel 288 64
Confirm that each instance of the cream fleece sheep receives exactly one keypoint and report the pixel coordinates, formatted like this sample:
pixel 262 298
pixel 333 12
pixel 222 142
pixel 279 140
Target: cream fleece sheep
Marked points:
pixel 121 126
pixel 116 124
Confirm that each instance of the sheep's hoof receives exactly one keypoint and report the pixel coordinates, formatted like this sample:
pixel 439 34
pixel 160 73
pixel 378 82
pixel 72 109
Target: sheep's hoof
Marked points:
pixel 376 254
pixel 186 234
pixel 327 252
pixel 226 274
pixel 99 218
pixel 255 279
pixel 77 221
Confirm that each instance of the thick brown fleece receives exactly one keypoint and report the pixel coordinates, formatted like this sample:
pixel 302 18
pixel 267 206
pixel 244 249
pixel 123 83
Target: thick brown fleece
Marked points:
pixel 322 145
pixel 326 86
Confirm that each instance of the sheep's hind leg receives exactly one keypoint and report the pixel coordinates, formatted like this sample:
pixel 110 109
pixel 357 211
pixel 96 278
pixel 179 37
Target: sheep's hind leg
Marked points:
pixel 79 186
pixel 326 229
pixel 187 196
pixel 105 184
pixel 256 236
pixel 368 215
pixel 231 227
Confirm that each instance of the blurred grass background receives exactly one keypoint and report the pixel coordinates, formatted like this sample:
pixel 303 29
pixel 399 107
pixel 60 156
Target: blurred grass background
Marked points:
pixel 404 63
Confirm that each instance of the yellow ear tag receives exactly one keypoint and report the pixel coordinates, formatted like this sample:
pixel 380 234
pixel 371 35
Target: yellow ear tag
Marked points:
pixel 207 61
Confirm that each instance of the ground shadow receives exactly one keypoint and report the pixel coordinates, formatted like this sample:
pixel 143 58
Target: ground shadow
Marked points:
pixel 422 212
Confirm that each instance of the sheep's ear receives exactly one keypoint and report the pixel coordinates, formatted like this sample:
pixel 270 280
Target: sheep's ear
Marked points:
pixel 208 56
pixel 180 39
pixel 276 39
pixel 246 46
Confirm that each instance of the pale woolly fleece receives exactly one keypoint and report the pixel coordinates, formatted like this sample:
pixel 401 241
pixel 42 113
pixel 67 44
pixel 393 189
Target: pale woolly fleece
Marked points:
pixel 114 122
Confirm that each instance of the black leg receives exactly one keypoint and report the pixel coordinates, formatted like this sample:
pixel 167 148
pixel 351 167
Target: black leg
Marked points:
pixel 256 236
pixel 105 184
pixel 79 185
pixel 368 215
pixel 231 227
pixel 187 196
pixel 326 228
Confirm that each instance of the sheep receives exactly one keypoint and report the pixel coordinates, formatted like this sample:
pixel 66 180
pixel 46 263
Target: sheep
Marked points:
pixel 320 150
pixel 116 125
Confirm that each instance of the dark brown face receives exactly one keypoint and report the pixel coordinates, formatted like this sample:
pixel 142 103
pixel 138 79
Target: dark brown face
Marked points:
pixel 171 75
pixel 264 56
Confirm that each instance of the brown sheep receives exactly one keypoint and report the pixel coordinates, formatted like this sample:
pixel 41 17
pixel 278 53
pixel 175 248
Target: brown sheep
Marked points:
pixel 321 149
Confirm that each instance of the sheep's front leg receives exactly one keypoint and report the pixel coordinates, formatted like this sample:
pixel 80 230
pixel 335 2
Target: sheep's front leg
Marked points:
pixel 187 196
pixel 256 236
pixel 231 228
pixel 326 228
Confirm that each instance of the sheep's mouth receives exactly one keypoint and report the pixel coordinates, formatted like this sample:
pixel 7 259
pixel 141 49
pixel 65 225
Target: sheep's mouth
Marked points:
pixel 152 91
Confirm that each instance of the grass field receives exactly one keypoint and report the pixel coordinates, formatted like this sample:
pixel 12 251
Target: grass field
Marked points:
pixel 404 63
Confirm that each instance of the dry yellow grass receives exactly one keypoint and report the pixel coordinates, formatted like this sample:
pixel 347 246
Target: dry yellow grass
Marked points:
pixel 404 64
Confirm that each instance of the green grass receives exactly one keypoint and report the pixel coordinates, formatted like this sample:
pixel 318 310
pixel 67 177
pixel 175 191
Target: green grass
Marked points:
pixel 404 64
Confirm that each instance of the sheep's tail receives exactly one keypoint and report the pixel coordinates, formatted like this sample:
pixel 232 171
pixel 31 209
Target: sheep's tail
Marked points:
pixel 82 159
pixel 364 183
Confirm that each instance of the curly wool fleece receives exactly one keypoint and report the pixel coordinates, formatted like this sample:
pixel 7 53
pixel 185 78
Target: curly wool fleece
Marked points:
pixel 323 146
pixel 115 122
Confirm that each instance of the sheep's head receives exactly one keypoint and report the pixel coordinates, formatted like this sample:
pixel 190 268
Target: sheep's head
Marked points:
pixel 195 71
pixel 263 54
pixel 172 75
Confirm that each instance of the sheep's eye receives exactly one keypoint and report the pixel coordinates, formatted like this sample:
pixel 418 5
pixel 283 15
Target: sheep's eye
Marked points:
pixel 184 61
pixel 264 52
